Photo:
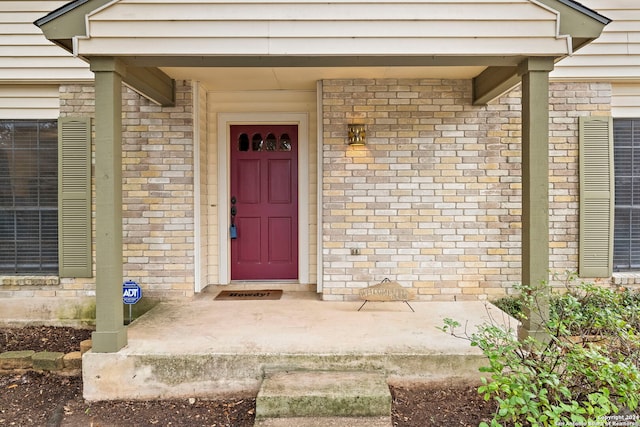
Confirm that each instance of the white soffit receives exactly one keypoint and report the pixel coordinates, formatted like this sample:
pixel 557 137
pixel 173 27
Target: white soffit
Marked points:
pixel 236 78
pixel 340 27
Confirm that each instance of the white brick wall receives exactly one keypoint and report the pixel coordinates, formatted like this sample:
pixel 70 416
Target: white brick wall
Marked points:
pixel 157 171
pixel 433 200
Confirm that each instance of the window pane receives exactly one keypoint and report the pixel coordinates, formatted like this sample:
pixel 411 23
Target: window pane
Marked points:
pixel 626 247
pixel 271 142
pixel 624 191
pixel 243 142
pixel 285 142
pixel 28 196
pixel 256 142
pixel 25 134
pixel 6 195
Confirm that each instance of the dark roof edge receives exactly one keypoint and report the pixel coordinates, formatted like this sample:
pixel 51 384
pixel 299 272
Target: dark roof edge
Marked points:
pixel 75 3
pixel 585 10
pixel 60 11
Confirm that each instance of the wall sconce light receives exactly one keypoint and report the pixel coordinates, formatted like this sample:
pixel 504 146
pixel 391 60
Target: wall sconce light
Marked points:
pixel 356 134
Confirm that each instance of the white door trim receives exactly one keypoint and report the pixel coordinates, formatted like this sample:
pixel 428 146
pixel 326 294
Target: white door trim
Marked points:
pixel 197 188
pixel 225 121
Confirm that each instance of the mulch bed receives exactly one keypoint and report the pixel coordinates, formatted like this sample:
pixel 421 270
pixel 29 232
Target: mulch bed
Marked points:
pixel 50 400
pixel 42 338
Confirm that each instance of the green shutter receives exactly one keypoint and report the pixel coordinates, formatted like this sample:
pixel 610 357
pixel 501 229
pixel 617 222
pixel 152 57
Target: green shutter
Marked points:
pixel 74 196
pixel 596 197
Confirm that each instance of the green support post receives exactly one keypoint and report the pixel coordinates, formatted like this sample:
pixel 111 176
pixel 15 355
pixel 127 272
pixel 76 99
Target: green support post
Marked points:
pixel 535 187
pixel 110 335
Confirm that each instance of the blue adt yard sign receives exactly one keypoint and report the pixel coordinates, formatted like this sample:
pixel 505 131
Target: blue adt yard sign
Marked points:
pixel 131 292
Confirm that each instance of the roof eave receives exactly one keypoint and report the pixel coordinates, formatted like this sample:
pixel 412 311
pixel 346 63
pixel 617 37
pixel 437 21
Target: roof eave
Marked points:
pixel 586 11
pixel 62 10
pixel 68 21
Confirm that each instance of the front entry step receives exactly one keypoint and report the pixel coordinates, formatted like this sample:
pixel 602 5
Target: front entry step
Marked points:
pixel 325 422
pixel 323 398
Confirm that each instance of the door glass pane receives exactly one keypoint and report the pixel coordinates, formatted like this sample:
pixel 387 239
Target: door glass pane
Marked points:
pixel 243 142
pixel 271 142
pixel 256 142
pixel 285 142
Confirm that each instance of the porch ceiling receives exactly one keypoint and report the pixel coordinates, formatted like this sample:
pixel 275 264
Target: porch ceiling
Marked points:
pixel 295 78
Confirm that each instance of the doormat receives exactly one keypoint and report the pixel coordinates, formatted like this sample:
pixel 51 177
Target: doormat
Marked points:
pixel 259 294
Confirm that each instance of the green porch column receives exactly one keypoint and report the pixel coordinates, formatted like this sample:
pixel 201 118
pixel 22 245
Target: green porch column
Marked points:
pixel 535 184
pixel 110 334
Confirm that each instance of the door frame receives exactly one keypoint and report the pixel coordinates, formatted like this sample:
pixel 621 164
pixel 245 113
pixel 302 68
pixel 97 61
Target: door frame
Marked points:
pixel 225 121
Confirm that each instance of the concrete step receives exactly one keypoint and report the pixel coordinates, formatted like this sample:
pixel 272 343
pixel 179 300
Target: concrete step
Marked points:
pixel 325 422
pixel 323 398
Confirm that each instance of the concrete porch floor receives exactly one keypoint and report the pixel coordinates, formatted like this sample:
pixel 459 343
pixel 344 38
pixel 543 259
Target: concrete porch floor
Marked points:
pixel 208 348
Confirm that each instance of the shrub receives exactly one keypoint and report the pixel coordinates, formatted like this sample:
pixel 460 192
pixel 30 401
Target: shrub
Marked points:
pixel 512 305
pixel 586 368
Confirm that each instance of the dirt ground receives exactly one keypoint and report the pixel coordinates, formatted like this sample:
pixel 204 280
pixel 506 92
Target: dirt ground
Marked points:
pixel 50 400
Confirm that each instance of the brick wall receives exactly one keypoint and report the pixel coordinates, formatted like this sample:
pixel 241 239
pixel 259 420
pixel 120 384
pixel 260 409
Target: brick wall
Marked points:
pixel 157 173
pixel 433 199
pixel 158 201
pixel 568 101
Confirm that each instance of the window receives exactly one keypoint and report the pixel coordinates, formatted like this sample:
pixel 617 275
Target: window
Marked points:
pixel 28 196
pixel 271 143
pixel 626 247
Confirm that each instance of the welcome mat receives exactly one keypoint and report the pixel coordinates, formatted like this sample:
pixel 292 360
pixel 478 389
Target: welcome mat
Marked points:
pixel 259 294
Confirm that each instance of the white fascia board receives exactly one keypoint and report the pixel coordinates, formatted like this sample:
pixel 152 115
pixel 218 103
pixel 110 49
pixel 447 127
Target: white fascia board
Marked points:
pixel 209 28
pixel 322 47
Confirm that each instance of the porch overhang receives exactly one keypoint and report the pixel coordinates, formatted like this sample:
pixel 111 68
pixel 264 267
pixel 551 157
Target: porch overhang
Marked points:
pixel 497 43
pixel 492 38
pixel 581 24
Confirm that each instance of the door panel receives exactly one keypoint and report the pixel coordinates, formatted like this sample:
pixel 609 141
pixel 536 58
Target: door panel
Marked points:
pixel 248 189
pixel 247 253
pixel 279 231
pixel 280 181
pixel 264 173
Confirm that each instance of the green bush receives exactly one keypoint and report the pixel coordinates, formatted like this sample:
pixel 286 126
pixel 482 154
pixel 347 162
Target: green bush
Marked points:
pixel 512 305
pixel 586 368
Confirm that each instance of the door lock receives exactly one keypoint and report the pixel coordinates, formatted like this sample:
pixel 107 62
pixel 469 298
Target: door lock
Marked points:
pixel 233 230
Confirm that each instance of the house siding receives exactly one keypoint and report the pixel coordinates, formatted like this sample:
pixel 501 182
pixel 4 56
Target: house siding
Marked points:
pixel 29 102
pixel 626 100
pixel 323 28
pixel 615 55
pixel 434 198
pixel 27 56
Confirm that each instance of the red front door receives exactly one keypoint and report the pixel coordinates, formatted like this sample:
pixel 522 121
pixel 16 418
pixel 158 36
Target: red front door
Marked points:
pixel 264 199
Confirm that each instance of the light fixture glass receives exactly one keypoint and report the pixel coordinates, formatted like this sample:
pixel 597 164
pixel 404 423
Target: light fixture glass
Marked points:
pixel 356 134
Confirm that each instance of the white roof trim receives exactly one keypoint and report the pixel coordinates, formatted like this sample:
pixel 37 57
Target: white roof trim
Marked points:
pixel 76 40
pixel 212 28
pixel 567 37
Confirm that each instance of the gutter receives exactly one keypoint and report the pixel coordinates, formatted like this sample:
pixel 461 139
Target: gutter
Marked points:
pixel 586 11
pixel 62 10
